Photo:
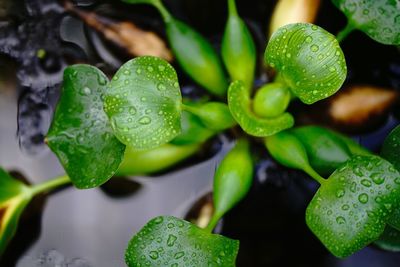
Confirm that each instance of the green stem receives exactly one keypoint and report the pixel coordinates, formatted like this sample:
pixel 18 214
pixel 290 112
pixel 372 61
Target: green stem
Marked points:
pixel 232 8
pixel 163 11
pixel 50 184
pixel 310 171
pixel 213 222
pixel 346 31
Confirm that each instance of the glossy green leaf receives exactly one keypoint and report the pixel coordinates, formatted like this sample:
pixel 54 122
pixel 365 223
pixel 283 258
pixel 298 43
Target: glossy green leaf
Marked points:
pixel 391 152
pixel 271 100
pixel 169 241
pixel 326 152
pixel 350 210
pixel 391 147
pixel 389 240
pixel 214 115
pixel 309 60
pixel 379 19
pixel 354 147
pixel 232 180
pixel 197 57
pixel 155 160
pixel 143 103
pixel 80 134
pixel 14 196
pixel 238 48
pixel 287 149
pixel 193 131
pixel 240 107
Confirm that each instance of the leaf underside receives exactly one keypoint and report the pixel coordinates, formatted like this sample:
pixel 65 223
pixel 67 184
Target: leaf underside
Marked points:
pixel 80 134
pixel 379 19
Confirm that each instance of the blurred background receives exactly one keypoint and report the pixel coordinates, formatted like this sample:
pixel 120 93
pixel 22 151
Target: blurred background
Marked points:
pixel 91 228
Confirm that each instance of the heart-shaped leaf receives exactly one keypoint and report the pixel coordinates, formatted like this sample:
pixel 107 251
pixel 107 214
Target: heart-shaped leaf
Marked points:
pixel 389 240
pixel 379 19
pixel 80 134
pixel 351 208
pixel 14 196
pixel 309 60
pixel 169 241
pixel 143 102
pixel 240 106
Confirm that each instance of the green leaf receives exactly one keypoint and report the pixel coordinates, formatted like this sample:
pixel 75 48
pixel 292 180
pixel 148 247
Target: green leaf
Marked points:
pixel 169 241
pixel 391 147
pixel 156 159
pixel 271 100
pixel 143 103
pixel 389 240
pixel 350 210
pixel 193 131
pixel 197 57
pixel 214 115
pixel 240 106
pixel 232 180
pixel 238 49
pixel 287 149
pixel 391 152
pixel 325 150
pixel 14 196
pixel 80 134
pixel 309 60
pixel 379 19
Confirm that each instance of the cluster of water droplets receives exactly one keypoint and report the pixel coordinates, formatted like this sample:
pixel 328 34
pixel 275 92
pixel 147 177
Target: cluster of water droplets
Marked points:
pixel 168 241
pixel 352 208
pixel 310 60
pixel 379 19
pixel 143 102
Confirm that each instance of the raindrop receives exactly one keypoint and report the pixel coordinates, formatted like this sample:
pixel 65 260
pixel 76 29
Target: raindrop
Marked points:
pixel 179 255
pixel 153 255
pixel 377 178
pixel 340 220
pixel 132 110
pixel 161 87
pixel 309 39
pixel 144 120
pixel 366 182
pixel 314 48
pixel 363 198
pixel 340 193
pixel 171 240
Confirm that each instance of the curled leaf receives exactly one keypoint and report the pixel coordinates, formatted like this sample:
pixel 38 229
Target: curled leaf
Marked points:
pixel 80 134
pixel 309 60
pixel 240 107
pixel 169 241
pixel 271 100
pixel 391 147
pixel 143 103
pixel 350 210
pixel 389 240
pixel 379 19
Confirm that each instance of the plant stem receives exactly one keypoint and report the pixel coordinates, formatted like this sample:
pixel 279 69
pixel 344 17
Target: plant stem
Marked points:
pixel 213 222
pixel 346 31
pixel 163 11
pixel 50 184
pixel 310 171
pixel 232 8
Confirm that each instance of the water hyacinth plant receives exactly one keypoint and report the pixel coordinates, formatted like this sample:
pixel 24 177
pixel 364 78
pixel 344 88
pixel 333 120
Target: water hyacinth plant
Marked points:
pixel 138 123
